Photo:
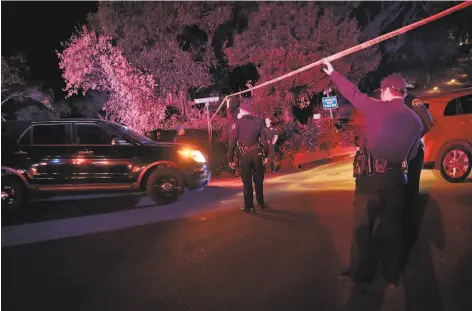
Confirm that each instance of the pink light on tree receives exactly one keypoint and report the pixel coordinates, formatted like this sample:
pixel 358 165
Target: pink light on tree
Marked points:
pixel 282 37
pixel 90 61
pixel 148 34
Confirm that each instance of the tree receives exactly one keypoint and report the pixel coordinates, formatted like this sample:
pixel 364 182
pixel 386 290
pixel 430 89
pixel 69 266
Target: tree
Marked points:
pixel 40 113
pixel 91 105
pixel 171 40
pixel 15 84
pixel 90 62
pixel 282 37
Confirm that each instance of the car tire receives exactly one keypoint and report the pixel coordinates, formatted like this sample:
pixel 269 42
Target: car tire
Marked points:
pixel 165 185
pixel 14 195
pixel 455 157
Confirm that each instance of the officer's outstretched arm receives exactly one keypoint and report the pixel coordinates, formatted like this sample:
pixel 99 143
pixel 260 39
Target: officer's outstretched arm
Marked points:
pixel 228 112
pixel 363 102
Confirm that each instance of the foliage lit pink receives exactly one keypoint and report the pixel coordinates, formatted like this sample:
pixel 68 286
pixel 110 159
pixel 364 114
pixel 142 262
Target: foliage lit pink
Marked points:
pixel 282 37
pixel 90 61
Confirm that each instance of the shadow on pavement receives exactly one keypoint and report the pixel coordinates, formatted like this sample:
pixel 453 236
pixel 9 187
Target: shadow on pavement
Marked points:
pixel 462 276
pixel 419 280
pixel 77 207
pixel 422 228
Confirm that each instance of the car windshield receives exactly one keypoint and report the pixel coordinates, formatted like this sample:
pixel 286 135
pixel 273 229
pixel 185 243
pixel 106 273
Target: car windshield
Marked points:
pixel 134 135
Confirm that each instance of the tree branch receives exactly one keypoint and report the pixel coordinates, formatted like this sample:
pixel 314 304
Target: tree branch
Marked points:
pixel 9 97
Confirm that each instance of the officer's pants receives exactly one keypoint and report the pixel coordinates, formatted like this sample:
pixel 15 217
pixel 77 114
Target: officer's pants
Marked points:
pixel 271 156
pixel 378 205
pixel 252 169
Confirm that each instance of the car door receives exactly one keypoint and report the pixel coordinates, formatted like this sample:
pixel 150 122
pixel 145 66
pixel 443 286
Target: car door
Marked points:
pixel 99 158
pixel 457 120
pixel 45 150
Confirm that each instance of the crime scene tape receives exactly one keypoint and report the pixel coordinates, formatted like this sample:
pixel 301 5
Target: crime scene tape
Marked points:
pixel 354 49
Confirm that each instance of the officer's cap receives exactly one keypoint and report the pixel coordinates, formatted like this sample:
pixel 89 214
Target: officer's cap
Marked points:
pixel 246 105
pixel 393 82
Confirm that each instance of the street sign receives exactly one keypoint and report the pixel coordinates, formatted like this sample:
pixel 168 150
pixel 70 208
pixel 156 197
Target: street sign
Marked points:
pixel 329 102
pixel 206 100
pixel 316 116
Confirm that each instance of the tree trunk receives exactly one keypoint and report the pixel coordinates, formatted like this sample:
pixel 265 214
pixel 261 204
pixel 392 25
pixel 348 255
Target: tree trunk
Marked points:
pixel 209 42
pixel 288 114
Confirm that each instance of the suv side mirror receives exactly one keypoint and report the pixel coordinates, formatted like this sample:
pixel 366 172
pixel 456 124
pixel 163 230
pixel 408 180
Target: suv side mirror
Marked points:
pixel 120 142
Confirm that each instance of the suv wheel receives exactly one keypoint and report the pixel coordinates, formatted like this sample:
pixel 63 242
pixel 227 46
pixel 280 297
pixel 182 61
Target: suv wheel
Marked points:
pixel 165 185
pixel 13 194
pixel 455 164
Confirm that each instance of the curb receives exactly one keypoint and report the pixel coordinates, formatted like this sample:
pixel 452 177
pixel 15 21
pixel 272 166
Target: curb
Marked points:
pixel 327 160
pixel 291 169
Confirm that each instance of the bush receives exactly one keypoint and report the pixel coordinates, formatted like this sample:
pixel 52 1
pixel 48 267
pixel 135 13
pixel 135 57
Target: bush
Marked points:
pixel 316 136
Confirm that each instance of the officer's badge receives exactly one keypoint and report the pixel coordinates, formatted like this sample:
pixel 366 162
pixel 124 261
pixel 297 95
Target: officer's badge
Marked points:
pixel 416 102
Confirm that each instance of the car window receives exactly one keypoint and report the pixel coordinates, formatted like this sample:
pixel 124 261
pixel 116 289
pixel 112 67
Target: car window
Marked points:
pixel 50 134
pixel 466 104
pixel 129 132
pixel 459 106
pixel 92 134
pixel 25 140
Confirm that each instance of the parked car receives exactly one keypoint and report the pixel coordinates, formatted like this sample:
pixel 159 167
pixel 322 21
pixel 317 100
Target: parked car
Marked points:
pixel 217 154
pixel 448 145
pixel 94 155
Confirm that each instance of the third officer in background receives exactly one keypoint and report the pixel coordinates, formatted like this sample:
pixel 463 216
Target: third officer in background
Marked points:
pixel 271 135
pixel 232 121
pixel 392 133
pixel 248 136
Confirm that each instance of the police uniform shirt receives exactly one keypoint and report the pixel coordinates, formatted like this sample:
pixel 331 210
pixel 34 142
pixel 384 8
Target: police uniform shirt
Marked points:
pixel 270 133
pixel 392 130
pixel 246 131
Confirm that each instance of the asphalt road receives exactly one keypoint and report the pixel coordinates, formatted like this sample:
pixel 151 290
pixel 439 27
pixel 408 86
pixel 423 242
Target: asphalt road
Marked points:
pixel 202 253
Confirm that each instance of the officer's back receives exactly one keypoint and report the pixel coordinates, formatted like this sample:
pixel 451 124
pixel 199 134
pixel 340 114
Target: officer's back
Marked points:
pixel 392 130
pixel 249 130
pixel 248 133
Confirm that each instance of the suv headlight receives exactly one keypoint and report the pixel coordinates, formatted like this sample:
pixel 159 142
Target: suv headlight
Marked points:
pixel 196 155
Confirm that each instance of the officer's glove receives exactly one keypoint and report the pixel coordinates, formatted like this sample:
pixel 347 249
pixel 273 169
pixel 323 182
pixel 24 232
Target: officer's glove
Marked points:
pixel 265 161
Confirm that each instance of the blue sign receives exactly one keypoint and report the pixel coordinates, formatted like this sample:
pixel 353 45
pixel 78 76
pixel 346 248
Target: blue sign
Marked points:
pixel 330 102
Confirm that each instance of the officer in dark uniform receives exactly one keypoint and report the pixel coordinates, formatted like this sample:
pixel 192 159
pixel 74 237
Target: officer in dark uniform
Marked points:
pixel 248 136
pixel 411 214
pixel 272 135
pixel 232 120
pixel 416 164
pixel 392 134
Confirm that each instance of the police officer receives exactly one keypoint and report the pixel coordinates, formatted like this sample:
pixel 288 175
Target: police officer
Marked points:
pixel 248 133
pixel 392 134
pixel 232 121
pixel 416 164
pixel 272 135
pixel 411 213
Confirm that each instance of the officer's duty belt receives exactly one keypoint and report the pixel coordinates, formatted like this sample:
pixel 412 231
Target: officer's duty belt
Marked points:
pixel 380 166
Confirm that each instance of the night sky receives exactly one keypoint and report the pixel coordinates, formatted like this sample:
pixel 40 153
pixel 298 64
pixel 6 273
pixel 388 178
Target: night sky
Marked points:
pixel 37 29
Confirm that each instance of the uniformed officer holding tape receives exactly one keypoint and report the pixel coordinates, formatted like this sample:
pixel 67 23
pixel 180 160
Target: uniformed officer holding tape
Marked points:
pixel 392 136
